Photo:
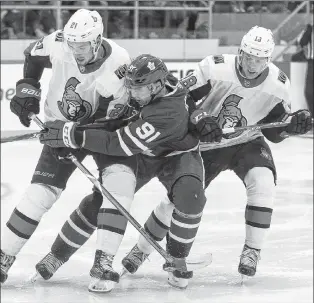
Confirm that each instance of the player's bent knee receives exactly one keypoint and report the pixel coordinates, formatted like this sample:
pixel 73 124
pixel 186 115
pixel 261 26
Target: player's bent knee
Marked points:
pixel 38 199
pixel 112 177
pixel 260 186
pixel 188 195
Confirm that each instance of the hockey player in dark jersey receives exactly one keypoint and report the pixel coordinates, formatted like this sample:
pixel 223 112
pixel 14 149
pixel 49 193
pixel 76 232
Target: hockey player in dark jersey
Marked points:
pixel 239 90
pixel 165 148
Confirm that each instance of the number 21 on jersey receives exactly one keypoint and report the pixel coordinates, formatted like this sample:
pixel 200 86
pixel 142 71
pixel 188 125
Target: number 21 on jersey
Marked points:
pixel 147 132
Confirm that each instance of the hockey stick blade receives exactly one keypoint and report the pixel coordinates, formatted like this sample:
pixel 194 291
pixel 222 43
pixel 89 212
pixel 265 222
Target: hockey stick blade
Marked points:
pixel 21 137
pixel 193 264
pixel 199 262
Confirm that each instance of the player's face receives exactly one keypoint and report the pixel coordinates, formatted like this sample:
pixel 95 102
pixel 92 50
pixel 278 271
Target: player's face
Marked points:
pixel 82 52
pixel 141 94
pixel 252 66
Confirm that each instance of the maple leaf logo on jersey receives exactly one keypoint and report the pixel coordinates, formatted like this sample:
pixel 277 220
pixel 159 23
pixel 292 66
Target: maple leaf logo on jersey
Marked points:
pixel 72 106
pixel 151 65
pixel 230 115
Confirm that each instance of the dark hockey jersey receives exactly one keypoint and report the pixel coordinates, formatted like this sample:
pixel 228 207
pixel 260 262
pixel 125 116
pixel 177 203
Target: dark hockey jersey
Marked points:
pixel 162 129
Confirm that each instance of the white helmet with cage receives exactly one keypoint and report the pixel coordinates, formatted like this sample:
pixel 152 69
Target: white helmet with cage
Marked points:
pixel 84 26
pixel 259 42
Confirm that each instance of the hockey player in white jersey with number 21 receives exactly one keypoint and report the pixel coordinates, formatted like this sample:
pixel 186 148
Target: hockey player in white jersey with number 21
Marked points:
pixel 87 83
pixel 239 90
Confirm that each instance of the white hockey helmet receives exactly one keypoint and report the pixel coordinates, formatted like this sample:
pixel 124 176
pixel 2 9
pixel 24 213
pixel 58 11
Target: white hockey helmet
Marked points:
pixel 84 26
pixel 259 42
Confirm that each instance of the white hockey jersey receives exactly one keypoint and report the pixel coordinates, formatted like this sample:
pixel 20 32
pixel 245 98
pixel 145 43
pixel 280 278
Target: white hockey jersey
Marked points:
pixel 232 99
pixel 74 92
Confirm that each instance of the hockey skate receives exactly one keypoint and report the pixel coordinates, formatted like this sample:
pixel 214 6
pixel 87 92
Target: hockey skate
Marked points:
pixel 178 278
pixel 248 261
pixel 46 267
pixel 103 277
pixel 133 260
pixel 6 263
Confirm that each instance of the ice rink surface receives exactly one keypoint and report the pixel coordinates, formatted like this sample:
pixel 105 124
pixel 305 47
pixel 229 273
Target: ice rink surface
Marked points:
pixel 285 272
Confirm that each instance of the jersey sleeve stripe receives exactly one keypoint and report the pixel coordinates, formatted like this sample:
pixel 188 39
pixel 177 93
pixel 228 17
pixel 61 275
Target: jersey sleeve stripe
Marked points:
pixel 123 145
pixel 138 143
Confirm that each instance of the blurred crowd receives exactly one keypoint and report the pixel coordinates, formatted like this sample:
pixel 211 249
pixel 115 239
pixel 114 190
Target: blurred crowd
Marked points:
pixel 35 23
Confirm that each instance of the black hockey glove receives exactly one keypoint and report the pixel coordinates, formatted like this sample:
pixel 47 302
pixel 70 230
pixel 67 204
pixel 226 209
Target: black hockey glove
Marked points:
pixel 62 134
pixel 206 125
pixel 300 123
pixel 26 99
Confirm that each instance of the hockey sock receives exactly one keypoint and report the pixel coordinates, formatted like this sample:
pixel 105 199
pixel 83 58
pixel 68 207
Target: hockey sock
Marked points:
pixel 260 188
pixel 189 200
pixel 36 201
pixel 111 224
pixel 183 230
pixel 157 225
pixel 78 228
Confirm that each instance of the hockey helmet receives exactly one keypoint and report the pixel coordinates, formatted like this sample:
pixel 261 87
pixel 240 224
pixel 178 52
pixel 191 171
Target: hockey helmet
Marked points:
pixel 84 26
pixel 255 51
pixel 258 41
pixel 144 70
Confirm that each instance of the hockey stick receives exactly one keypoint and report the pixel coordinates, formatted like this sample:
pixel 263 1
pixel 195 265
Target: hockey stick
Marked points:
pixel 224 130
pixel 26 136
pixel 255 127
pixel 203 262
pixel 101 125
pixel 21 137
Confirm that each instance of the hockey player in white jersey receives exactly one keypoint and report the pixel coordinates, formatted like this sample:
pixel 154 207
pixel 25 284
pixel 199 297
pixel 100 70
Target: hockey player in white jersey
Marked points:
pixel 238 90
pixel 87 83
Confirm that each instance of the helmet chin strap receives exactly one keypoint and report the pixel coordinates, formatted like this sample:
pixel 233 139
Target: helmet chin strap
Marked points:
pixel 95 53
pixel 153 96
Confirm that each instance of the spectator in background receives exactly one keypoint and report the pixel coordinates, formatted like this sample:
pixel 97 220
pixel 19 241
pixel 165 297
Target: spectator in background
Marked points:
pixel 12 20
pixel 306 41
pixel 238 6
pixel 7 32
pixel 40 23
pixel 117 23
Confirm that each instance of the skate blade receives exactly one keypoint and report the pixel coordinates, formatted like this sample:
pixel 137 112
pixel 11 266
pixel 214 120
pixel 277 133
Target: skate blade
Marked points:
pixel 199 262
pixel 35 277
pixel 101 286
pixel 123 272
pixel 243 279
pixel 178 283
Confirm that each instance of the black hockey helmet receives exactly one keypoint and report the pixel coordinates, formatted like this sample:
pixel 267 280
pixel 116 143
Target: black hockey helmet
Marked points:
pixel 144 70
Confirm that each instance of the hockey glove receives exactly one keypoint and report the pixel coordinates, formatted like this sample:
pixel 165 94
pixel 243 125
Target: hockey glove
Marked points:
pixel 26 99
pixel 300 123
pixel 206 125
pixel 62 134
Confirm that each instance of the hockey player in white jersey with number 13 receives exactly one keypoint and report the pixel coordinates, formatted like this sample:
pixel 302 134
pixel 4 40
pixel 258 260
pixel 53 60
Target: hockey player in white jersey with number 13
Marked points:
pixel 87 82
pixel 239 90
